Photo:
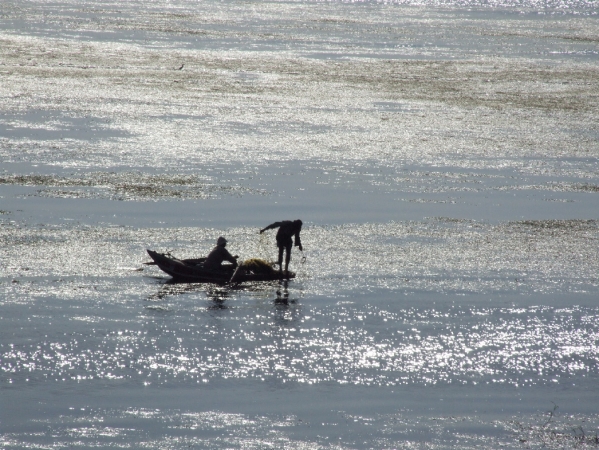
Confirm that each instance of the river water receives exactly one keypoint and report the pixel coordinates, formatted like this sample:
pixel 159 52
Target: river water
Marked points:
pixel 443 156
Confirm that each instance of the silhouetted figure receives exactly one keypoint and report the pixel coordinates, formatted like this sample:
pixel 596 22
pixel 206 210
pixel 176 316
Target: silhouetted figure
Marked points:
pixel 287 230
pixel 219 254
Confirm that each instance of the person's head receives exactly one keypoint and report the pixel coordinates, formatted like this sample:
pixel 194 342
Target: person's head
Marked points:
pixel 298 224
pixel 221 241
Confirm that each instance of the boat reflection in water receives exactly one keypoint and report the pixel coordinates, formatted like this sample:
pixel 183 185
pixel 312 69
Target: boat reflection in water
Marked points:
pixel 219 294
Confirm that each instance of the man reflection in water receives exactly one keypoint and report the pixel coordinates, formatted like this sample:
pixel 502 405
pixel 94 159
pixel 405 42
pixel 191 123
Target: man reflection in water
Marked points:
pixel 218 255
pixel 283 294
pixel 287 230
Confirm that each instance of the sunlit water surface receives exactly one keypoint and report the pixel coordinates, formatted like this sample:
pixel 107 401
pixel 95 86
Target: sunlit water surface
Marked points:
pixel 443 157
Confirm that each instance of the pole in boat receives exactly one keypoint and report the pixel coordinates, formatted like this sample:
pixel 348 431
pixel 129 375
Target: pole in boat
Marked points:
pixel 234 276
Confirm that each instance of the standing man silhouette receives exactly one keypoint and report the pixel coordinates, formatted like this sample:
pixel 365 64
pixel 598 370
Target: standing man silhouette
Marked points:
pixel 287 230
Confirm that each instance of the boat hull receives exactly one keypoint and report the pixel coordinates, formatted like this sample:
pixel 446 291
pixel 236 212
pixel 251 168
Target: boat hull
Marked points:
pixel 193 271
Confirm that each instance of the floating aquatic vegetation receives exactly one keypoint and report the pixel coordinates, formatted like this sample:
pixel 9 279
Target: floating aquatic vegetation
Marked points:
pixel 569 225
pixel 127 186
pixel 553 430
pixel 258 265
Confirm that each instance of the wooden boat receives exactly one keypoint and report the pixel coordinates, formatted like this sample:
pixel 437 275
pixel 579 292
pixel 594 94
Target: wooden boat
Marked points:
pixel 193 271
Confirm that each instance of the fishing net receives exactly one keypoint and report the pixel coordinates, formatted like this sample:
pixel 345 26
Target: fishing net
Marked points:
pixel 258 265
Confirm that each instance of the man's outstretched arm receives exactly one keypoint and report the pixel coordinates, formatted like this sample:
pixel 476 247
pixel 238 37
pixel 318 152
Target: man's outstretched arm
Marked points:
pixel 270 227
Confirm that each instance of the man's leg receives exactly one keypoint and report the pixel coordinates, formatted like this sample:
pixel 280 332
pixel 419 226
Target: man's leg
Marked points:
pixel 281 248
pixel 287 258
